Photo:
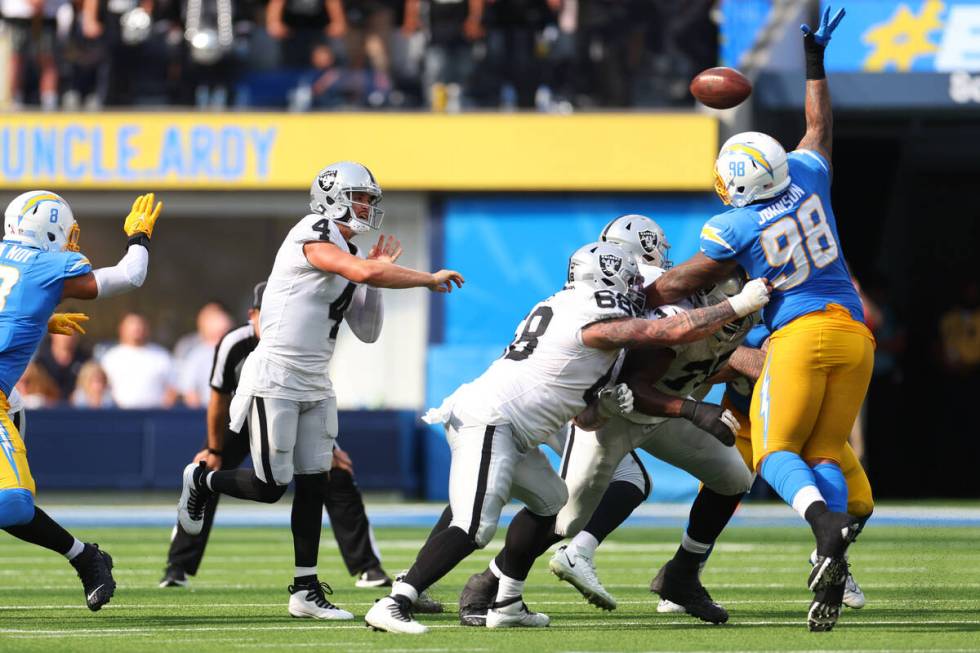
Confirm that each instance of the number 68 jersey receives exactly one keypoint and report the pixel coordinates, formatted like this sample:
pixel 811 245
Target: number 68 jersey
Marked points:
pixel 302 309
pixel 792 241
pixel 546 376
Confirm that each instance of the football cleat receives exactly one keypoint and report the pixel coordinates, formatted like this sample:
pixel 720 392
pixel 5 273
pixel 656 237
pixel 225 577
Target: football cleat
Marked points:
pixel 853 594
pixel 684 589
pixel 576 569
pixel 477 596
pixel 194 497
pixel 825 609
pixel 669 607
pixel 94 568
pixel 373 577
pixel 394 615
pixel 310 601
pixel 174 577
pixel 514 613
pixel 425 604
pixel 834 532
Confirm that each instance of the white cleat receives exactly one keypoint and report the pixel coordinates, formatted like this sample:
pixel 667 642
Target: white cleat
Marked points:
pixel 310 602
pixel 853 594
pixel 190 506
pixel 578 570
pixel 669 607
pixel 515 614
pixel 394 615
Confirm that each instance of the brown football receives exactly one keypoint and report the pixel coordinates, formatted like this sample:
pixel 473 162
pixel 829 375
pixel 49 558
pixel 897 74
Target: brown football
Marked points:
pixel 721 88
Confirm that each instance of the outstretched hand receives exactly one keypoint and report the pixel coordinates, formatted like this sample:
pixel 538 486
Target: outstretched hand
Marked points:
pixel 826 27
pixel 143 216
pixel 443 280
pixel 386 251
pixel 67 324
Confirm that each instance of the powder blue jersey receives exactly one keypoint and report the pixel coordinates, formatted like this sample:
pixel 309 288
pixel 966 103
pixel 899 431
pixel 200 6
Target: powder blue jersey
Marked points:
pixel 792 241
pixel 30 287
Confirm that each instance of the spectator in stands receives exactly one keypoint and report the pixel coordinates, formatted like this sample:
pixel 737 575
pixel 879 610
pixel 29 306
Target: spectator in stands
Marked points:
pixel 92 389
pixel 324 86
pixel 451 27
pixel 32 30
pixel 301 25
pixel 194 354
pixel 141 374
pixel 216 34
pixel 369 25
pixel 514 27
pixel 62 358
pixel 85 67
pixel 36 388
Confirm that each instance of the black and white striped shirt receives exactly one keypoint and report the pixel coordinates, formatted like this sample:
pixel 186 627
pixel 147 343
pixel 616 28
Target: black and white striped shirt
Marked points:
pixel 230 355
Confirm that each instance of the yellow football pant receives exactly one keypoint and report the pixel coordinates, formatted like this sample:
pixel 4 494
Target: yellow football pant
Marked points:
pixel 815 378
pixel 14 472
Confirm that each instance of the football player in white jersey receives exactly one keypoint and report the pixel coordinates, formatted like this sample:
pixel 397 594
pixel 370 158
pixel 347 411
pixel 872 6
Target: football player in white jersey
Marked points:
pixel 561 359
pixel 319 277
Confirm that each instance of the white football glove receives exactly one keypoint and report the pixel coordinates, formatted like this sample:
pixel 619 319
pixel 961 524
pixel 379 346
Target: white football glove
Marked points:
pixel 753 297
pixel 617 400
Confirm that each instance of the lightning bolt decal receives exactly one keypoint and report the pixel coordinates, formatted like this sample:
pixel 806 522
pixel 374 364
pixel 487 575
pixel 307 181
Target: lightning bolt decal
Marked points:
pixel 8 451
pixel 764 406
pixel 713 234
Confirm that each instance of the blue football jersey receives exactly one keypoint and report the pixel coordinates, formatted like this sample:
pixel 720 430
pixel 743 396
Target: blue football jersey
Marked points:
pixel 792 241
pixel 30 287
pixel 740 392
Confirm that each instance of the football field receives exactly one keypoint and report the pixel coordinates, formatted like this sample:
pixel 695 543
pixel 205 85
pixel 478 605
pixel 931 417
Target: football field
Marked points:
pixel 922 584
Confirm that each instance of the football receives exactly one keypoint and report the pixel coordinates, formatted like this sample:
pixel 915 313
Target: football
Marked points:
pixel 721 88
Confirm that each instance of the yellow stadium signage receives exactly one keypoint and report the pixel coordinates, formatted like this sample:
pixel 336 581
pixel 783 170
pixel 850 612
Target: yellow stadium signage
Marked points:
pixel 257 151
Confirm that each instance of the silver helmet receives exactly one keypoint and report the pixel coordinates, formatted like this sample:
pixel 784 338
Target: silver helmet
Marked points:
pixel 604 266
pixel 736 330
pixel 331 195
pixel 640 236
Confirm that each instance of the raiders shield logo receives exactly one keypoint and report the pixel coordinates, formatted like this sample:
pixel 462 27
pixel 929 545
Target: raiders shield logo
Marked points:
pixel 610 264
pixel 648 240
pixel 327 180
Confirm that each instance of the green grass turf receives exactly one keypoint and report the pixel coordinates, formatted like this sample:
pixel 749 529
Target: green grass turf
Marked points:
pixel 923 588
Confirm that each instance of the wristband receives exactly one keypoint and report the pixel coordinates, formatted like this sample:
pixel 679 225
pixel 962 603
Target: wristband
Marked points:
pixel 814 58
pixel 214 452
pixel 139 238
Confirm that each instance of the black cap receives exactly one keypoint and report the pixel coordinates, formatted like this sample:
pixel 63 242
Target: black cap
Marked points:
pixel 257 293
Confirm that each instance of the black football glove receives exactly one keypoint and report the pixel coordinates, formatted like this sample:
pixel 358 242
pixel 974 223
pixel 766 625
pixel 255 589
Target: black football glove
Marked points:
pixel 711 418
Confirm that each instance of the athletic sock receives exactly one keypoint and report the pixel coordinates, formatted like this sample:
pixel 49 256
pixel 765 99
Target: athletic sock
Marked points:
pixel 439 556
pixel 306 520
pixel 792 479
pixel 442 524
pixel 46 532
pixel 619 501
pixel 585 544
pixel 494 569
pixel 691 553
pixel 304 576
pixel 401 588
pixel 244 484
pixel 832 485
pixel 508 590
pixel 526 538
pixel 76 548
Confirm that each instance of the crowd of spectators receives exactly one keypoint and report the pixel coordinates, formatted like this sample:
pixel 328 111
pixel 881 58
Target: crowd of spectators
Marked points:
pixel 447 55
pixel 134 372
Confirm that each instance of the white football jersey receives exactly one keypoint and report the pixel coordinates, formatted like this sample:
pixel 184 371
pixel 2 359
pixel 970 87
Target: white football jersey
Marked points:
pixel 546 375
pixel 302 309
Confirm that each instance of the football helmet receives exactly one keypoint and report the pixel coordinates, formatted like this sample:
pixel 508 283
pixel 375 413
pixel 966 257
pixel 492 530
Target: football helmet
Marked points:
pixel 331 195
pixel 641 237
pixel 736 330
pixel 604 266
pixel 751 166
pixel 41 219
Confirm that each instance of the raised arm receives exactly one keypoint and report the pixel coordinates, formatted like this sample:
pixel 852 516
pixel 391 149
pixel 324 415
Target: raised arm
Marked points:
pixel 685 327
pixel 327 257
pixel 682 281
pixel 819 115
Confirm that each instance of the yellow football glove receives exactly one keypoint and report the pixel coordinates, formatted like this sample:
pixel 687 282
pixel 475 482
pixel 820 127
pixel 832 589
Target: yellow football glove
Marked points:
pixel 143 216
pixel 67 324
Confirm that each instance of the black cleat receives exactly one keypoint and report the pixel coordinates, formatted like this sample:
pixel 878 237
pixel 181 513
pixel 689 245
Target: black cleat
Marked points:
pixel 825 609
pixel 94 568
pixel 684 588
pixel 174 576
pixel 476 598
pixel 373 577
pixel 834 532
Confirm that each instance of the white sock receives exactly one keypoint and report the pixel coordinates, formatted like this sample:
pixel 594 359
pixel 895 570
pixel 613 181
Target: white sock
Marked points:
pixel 805 497
pixel 76 548
pixel 207 480
pixel 494 569
pixel 509 588
pixel 692 545
pixel 304 571
pixel 401 588
pixel 585 543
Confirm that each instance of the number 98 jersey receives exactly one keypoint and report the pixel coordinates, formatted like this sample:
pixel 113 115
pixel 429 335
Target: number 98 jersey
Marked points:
pixel 792 241
pixel 546 376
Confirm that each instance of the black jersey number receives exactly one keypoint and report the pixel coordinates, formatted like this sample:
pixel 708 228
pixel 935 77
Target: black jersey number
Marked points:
pixel 610 299
pixel 323 228
pixel 534 327
pixel 339 307
pixel 699 370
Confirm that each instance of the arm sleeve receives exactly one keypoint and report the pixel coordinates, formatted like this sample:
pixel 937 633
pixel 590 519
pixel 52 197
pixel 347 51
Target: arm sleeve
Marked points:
pixel 719 239
pixel 366 314
pixel 129 273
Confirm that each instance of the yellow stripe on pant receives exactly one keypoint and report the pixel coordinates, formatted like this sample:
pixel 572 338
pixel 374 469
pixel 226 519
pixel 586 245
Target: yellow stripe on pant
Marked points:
pixel 815 378
pixel 14 471
pixel 860 501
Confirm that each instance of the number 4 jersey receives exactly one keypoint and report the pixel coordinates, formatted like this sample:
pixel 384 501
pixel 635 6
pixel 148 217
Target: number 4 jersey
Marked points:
pixel 302 309
pixel 792 241
pixel 546 376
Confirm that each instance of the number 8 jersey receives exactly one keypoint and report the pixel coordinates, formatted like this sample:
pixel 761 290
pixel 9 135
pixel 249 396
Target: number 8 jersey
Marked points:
pixel 546 376
pixel 792 241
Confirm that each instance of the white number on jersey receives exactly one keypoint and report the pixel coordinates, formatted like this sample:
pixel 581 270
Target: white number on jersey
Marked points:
pixel 782 243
